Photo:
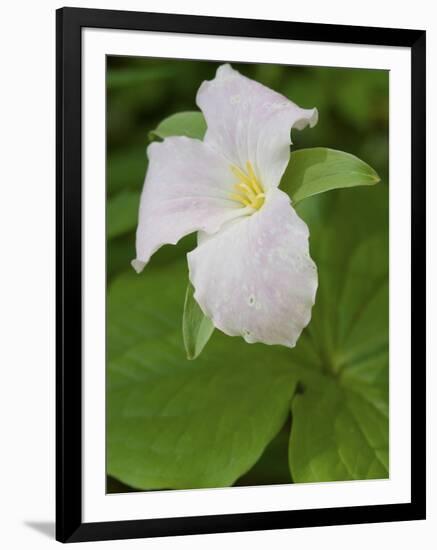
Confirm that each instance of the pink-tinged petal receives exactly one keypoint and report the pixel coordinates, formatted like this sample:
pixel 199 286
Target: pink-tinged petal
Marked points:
pixel 249 122
pixel 187 188
pixel 255 277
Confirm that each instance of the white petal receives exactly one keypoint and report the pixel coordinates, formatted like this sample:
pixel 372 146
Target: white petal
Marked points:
pixel 249 122
pixel 255 277
pixel 187 189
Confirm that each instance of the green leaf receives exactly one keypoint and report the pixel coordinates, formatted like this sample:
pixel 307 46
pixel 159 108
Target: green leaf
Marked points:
pixel 340 421
pixel 338 435
pixel 189 123
pixel 122 213
pixel 174 423
pixel 197 329
pixel 313 171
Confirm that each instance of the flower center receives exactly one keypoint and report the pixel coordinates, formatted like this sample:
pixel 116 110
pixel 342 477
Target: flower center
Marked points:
pixel 248 188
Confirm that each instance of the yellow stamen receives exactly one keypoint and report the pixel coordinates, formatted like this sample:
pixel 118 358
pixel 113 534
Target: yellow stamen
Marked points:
pixel 249 190
pixel 253 178
pixel 246 190
pixel 239 174
pixel 240 198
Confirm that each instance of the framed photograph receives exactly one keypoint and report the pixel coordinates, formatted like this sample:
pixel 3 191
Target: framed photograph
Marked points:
pixel 241 274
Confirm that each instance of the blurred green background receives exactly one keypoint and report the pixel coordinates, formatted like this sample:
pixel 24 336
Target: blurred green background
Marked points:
pixel 141 92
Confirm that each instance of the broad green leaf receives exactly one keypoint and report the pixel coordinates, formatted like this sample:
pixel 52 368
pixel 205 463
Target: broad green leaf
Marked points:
pixel 144 306
pixel 338 435
pixel 196 328
pixel 340 421
pixel 188 123
pixel 122 213
pixel 313 171
pixel 174 423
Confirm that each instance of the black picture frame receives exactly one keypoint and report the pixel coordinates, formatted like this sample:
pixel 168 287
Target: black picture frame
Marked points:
pixel 69 525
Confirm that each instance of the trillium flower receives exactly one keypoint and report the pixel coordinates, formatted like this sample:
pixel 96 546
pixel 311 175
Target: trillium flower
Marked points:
pixel 251 270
